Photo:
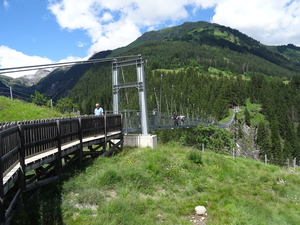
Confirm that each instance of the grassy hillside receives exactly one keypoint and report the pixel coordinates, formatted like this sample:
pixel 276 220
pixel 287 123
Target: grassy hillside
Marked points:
pixel 15 110
pixel 163 185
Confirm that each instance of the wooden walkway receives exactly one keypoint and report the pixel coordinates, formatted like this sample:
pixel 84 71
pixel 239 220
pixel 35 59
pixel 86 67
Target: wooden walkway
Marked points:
pixel 32 154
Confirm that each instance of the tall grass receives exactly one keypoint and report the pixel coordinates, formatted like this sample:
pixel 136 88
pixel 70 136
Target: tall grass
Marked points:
pixel 163 185
pixel 16 110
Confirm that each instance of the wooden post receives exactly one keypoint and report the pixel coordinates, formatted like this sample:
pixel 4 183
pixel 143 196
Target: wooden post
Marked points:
pixel 287 163
pixel 294 163
pixel 266 160
pixel 22 158
pixel 58 162
pixel 105 133
pixel 2 210
pixel 202 147
pixel 80 141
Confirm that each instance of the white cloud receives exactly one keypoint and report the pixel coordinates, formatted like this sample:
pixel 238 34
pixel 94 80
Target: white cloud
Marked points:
pixel 80 44
pixel 73 59
pixel 115 23
pixel 11 58
pixel 272 22
pixel 112 24
pixel 6 4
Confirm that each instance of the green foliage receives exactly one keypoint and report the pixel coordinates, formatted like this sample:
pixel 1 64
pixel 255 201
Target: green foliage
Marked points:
pixel 195 156
pixel 169 135
pixel 215 67
pixel 163 185
pixel 66 105
pixel 40 99
pixel 247 117
pixel 261 133
pixel 15 110
pixel 213 138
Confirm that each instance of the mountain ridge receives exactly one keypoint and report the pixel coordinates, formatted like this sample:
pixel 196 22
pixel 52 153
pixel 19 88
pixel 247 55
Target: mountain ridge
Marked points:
pixel 220 41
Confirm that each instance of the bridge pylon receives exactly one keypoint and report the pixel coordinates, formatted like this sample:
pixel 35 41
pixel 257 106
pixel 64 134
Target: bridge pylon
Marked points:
pixel 140 85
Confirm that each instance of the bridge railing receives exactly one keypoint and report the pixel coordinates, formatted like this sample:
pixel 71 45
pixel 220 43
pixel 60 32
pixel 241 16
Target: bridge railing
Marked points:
pixel 132 121
pixel 28 145
pixel 10 148
pixel 20 140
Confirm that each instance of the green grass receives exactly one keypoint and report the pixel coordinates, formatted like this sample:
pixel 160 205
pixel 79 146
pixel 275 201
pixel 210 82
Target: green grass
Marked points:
pixel 15 110
pixel 255 113
pixel 163 185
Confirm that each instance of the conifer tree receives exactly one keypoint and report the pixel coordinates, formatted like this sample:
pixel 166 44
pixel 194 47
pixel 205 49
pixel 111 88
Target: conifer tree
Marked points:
pixel 261 133
pixel 247 117
pixel 276 149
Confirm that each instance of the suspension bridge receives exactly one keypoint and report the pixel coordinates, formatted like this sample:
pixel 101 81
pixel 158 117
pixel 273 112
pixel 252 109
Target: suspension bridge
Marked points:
pixel 33 153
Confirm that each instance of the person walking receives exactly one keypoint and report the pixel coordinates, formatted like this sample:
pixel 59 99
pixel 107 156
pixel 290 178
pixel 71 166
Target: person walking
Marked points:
pixel 98 110
pixel 181 118
pixel 175 118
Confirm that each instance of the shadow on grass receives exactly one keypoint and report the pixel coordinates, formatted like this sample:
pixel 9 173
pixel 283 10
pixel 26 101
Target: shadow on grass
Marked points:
pixel 43 206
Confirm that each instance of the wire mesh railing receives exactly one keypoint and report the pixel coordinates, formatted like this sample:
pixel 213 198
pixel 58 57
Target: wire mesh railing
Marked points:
pixel 131 121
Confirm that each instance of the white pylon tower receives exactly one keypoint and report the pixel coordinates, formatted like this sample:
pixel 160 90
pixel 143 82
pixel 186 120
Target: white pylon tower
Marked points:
pixel 140 85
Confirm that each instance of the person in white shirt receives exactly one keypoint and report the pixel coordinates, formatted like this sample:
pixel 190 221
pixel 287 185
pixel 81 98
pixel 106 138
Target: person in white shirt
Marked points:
pixel 98 110
pixel 181 118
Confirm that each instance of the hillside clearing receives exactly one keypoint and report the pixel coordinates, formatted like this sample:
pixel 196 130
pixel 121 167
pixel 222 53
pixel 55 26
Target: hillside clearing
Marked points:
pixel 163 185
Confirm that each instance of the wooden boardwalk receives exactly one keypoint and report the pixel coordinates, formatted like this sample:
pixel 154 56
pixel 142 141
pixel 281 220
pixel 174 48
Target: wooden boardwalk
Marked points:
pixel 33 153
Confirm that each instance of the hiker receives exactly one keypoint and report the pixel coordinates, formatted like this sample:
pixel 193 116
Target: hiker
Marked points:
pixel 181 118
pixel 175 118
pixel 98 110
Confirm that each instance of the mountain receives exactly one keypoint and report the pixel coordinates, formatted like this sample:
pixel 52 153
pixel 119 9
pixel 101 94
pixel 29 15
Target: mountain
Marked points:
pixel 198 44
pixel 209 47
pixel 33 79
pixel 201 69
pixel 60 81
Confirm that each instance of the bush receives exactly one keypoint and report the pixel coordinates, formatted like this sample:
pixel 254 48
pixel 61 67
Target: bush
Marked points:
pixel 195 156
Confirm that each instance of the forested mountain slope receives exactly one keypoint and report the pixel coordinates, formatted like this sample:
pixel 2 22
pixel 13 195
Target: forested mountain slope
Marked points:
pixel 205 69
pixel 210 48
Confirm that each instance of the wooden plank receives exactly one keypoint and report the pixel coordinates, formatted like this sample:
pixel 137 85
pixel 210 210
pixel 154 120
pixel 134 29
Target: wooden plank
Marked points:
pixel 45 154
pixel 11 172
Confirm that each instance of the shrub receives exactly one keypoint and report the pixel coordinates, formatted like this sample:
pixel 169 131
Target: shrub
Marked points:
pixel 195 156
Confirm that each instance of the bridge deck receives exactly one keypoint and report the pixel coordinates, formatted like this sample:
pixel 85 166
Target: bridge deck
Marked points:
pixel 37 160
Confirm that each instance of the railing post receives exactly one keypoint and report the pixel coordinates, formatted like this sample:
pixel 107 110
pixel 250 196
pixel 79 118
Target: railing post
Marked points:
pixel 2 210
pixel 80 141
pixel 266 160
pixel 58 162
pixel 126 122
pixel 105 132
pixel 22 158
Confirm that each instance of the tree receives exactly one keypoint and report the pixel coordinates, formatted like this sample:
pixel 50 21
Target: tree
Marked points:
pixel 40 99
pixel 261 133
pixel 66 105
pixel 213 138
pixel 247 117
pixel 276 150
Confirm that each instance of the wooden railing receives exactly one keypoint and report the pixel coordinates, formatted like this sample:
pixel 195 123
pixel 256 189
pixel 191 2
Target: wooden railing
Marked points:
pixel 28 145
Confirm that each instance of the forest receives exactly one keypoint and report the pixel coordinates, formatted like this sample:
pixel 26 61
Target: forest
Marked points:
pixel 208 71
pixel 201 68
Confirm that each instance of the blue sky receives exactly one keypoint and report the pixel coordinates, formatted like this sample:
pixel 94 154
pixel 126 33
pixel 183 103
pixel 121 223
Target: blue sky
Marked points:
pixel 47 31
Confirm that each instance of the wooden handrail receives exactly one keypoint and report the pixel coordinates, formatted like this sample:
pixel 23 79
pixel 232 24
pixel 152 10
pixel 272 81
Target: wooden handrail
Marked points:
pixel 26 139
